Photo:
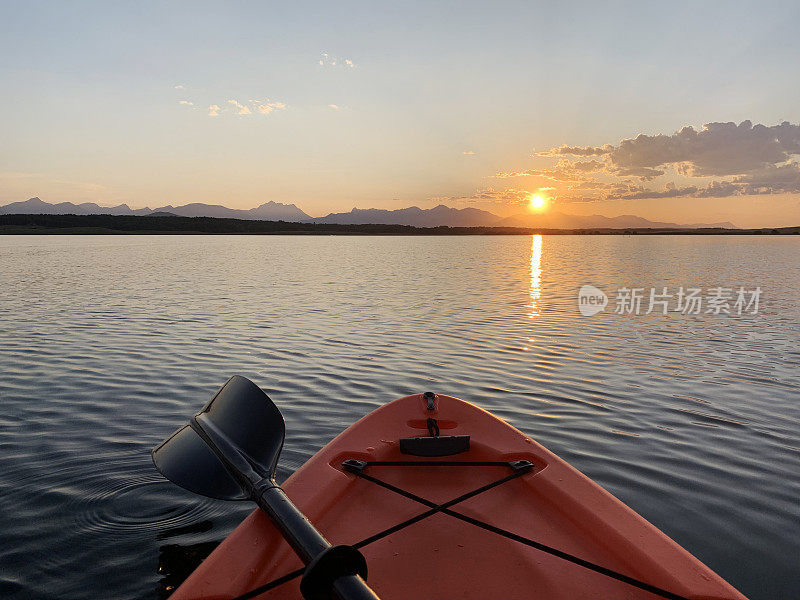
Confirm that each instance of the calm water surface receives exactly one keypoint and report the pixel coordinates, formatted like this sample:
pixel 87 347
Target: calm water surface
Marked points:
pixel 107 344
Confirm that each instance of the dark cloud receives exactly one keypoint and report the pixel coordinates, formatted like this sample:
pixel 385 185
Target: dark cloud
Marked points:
pixel 772 179
pixel 671 191
pixel 584 166
pixel 644 173
pixel 769 180
pixel 716 149
pixel 743 159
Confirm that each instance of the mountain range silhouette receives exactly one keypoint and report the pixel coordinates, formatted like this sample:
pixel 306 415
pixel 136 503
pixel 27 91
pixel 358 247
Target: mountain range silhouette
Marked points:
pixel 418 217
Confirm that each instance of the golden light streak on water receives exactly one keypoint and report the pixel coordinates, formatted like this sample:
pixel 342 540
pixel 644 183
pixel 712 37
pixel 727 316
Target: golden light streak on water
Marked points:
pixel 536 276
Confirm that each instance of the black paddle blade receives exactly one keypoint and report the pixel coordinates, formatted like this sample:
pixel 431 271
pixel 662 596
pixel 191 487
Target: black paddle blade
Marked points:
pixel 250 421
pixel 185 459
pixel 251 425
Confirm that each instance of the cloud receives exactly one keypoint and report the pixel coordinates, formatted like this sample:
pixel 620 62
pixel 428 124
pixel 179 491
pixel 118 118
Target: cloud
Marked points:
pixel 716 149
pixel 506 196
pixel 265 106
pixel 468 152
pixel 641 193
pixel 716 160
pixel 577 150
pixel 772 179
pixel 178 87
pixel 644 173
pixel 565 170
pixel 329 61
pixel 582 166
pixel 713 190
pixel 552 174
pixel 590 185
pixel 241 108
pixel 186 102
pixel 333 106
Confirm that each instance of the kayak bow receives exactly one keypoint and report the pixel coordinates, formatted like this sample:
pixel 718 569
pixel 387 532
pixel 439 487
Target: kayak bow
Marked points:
pixel 445 500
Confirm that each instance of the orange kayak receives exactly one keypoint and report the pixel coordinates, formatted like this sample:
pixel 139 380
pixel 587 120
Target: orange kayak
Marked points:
pixel 465 506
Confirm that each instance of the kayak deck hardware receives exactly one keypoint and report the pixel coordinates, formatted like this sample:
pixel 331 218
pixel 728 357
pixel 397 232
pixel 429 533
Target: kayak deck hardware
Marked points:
pixel 430 397
pixel 433 427
pixel 435 445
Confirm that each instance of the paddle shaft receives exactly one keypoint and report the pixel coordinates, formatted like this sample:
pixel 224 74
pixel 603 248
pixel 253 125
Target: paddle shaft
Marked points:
pixel 298 531
pixel 306 541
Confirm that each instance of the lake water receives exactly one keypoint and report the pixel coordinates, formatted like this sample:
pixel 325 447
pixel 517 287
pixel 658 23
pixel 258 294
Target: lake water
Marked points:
pixel 108 344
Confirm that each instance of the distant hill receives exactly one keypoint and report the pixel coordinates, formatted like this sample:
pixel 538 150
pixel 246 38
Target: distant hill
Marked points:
pixel 439 216
pixel 269 211
pixel 472 217
pixel 34 206
pixel 418 217
pixel 556 220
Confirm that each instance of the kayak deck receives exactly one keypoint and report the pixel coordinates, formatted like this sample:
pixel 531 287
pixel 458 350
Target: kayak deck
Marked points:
pixel 445 556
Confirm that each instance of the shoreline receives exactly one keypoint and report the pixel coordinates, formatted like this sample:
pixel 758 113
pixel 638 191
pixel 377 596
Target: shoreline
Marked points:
pixel 31 224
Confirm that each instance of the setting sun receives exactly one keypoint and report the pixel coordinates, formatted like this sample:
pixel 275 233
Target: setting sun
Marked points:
pixel 537 202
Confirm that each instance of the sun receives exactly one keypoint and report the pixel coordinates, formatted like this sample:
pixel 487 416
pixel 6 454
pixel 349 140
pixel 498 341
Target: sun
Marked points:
pixel 537 202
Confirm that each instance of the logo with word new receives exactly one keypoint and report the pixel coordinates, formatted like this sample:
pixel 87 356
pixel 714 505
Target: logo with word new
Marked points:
pixel 591 300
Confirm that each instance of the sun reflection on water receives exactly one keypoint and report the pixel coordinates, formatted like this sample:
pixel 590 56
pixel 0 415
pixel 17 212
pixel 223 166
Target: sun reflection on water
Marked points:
pixel 536 276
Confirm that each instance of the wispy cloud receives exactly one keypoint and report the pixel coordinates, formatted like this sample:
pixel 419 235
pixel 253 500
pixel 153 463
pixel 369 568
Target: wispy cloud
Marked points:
pixel 330 61
pixel 577 151
pixel 490 195
pixel 241 109
pixel 233 106
pixel 267 106
pixel 716 160
pixel 565 170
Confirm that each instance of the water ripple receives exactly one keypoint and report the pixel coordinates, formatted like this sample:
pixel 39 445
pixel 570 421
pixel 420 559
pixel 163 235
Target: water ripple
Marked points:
pixel 108 344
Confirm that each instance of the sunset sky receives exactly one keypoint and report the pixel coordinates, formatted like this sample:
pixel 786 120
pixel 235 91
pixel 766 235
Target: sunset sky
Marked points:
pixel 680 112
